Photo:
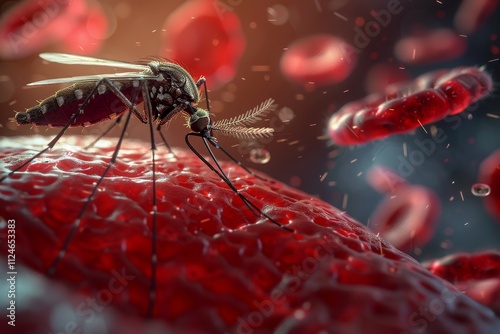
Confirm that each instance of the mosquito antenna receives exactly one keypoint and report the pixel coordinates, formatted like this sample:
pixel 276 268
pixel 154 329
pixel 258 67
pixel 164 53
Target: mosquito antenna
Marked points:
pixel 220 172
pixel 111 127
pixel 76 223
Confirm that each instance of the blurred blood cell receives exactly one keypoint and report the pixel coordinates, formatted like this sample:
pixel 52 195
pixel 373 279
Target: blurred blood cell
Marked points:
pixel 405 107
pixel 384 180
pixel 432 47
pixel 87 37
pixel 321 59
pixel 477 274
pixel 206 38
pixel 407 217
pixel 486 292
pixel 382 75
pixel 31 25
pixel 472 13
pixel 489 173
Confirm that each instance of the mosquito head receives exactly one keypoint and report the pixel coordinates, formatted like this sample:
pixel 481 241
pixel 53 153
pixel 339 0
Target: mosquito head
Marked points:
pixel 199 121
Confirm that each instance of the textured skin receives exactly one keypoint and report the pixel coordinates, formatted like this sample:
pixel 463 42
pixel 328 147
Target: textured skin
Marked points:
pixel 221 269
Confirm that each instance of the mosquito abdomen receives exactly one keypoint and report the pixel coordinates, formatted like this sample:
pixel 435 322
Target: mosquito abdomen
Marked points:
pixel 56 110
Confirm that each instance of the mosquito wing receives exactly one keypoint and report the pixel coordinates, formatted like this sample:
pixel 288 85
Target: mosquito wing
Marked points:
pixel 65 58
pixel 112 76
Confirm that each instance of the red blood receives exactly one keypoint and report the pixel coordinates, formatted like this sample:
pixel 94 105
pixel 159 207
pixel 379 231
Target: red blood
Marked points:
pixel 206 39
pixel 473 13
pixel 407 217
pixel 489 173
pixel 87 37
pixel 322 59
pixel 477 274
pixel 382 75
pixel 31 25
pixel 220 268
pixel 434 46
pixel 384 180
pixel 403 108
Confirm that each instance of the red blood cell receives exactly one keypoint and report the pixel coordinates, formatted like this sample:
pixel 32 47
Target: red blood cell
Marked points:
pixel 384 180
pixel 206 39
pixel 382 75
pixel 220 269
pixel 322 59
pixel 87 37
pixel 403 108
pixel 489 173
pixel 31 25
pixel 432 47
pixel 472 13
pixel 477 274
pixel 407 217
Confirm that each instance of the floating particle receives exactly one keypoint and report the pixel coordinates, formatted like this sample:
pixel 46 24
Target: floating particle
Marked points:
pixel 407 217
pixel 205 39
pixel 489 173
pixel 432 47
pixel 480 189
pixel 260 156
pixel 319 59
pixel 472 13
pixel 277 14
pixel 31 25
pixel 403 108
pixel 286 114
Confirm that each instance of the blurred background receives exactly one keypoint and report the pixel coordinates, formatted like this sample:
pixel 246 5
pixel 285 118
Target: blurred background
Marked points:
pixel 254 50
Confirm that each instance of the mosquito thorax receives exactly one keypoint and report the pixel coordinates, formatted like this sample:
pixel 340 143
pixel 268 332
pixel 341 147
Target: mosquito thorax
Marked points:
pixel 200 120
pixel 180 76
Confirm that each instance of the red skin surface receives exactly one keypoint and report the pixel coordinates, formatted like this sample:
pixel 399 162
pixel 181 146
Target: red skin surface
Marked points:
pixel 220 269
pixel 205 37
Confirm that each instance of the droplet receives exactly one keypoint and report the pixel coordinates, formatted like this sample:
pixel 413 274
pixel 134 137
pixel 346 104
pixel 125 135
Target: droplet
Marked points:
pixel 480 189
pixel 260 156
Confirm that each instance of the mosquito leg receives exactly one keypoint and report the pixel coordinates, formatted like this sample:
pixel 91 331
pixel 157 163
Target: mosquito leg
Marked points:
pixel 111 127
pixel 158 128
pixel 216 145
pixel 220 172
pixel 154 257
pixel 76 222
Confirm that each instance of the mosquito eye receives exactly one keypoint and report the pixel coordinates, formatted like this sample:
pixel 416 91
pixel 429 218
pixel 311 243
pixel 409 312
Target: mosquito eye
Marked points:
pixel 199 121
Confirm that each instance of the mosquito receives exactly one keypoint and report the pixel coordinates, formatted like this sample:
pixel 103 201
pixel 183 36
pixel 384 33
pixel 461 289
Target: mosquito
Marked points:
pixel 165 89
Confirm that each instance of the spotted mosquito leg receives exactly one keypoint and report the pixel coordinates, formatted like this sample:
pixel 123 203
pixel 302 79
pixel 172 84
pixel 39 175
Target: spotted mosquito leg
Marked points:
pixel 76 222
pixel 216 145
pixel 111 127
pixel 220 172
pixel 154 257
